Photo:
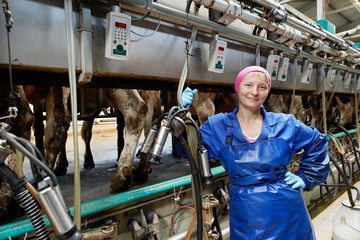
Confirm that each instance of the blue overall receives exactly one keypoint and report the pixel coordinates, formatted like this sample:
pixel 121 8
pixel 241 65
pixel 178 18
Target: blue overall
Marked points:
pixel 262 206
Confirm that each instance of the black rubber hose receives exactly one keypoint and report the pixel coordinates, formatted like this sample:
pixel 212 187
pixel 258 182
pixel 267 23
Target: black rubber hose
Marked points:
pixel 171 115
pixel 38 153
pixel 32 158
pixel 351 139
pixel 327 187
pixel 195 174
pixel 344 169
pixel 145 235
pixel 158 120
pixel 220 211
pixel 27 201
pixel 216 222
pixel 188 4
pixel 343 185
pixel 347 185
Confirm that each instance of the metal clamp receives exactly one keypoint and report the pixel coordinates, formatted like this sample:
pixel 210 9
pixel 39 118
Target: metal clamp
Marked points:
pixel 9 20
pixel 13 112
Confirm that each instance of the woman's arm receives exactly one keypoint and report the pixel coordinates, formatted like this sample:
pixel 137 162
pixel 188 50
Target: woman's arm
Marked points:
pixel 314 166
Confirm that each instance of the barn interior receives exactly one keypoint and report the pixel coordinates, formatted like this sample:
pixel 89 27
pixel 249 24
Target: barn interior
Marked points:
pixel 114 71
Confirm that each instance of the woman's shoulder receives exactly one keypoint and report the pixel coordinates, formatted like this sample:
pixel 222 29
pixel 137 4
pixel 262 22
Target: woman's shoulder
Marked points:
pixel 221 117
pixel 280 117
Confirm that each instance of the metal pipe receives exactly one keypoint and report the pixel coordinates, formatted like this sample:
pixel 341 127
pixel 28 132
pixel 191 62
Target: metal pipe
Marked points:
pixel 233 33
pixel 72 83
pixel 323 102
pixel 247 17
pixel 298 23
pixel 349 32
pixel 319 9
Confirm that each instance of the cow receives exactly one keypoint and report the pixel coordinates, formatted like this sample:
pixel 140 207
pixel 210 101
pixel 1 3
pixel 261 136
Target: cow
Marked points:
pixel 23 121
pixel 124 120
pixel 127 102
pixel 282 104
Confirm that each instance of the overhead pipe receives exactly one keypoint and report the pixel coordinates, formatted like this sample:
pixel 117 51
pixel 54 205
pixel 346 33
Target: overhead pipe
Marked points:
pixel 280 14
pixel 228 7
pixel 349 32
pixel 230 32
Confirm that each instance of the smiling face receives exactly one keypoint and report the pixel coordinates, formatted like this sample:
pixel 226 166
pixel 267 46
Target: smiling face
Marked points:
pixel 253 90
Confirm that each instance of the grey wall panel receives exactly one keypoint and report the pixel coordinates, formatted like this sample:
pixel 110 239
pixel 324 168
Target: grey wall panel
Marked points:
pixel 38 39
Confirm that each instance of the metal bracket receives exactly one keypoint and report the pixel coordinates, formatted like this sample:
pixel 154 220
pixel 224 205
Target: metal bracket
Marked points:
pixel 149 5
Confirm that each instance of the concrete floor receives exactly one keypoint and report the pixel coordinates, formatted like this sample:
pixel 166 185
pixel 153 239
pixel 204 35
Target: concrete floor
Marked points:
pixel 323 223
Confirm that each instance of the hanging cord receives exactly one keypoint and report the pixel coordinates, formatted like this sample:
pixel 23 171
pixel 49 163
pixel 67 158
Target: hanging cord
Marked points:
pixel 298 51
pixel 12 95
pixel 185 70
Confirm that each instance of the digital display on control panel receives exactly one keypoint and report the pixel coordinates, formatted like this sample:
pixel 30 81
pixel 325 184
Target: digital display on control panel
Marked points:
pixel 120 25
pixel 221 49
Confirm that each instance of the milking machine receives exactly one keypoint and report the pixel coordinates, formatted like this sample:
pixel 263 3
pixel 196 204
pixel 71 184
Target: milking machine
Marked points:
pixel 45 196
pixel 176 121
pixel 346 223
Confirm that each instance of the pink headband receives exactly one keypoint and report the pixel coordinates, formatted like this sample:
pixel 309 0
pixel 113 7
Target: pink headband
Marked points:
pixel 250 69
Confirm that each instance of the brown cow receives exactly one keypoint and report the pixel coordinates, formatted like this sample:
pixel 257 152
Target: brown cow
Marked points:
pixel 20 126
pixel 125 101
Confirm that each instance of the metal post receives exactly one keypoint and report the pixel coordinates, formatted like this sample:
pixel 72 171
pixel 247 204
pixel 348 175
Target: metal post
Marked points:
pixel 319 9
pixel 72 84
pixel 357 109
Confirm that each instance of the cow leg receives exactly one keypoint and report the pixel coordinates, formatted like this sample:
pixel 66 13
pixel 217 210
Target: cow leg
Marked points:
pixel 57 124
pixel 134 110
pixel 86 134
pixel 154 103
pixel 62 162
pixel 120 132
pixel 39 129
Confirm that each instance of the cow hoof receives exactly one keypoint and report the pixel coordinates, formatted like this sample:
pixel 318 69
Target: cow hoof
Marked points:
pixel 88 161
pixel 141 175
pixel 60 171
pixel 121 183
pixel 89 165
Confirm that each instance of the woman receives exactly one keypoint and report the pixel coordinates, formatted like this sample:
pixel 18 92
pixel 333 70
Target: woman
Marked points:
pixel 255 147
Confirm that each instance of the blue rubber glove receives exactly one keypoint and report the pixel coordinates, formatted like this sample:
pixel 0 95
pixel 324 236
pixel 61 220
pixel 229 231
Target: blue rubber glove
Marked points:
pixel 187 96
pixel 294 180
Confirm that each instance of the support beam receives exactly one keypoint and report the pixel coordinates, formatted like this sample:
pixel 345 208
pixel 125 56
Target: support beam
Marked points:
pixel 307 7
pixel 348 26
pixel 298 14
pixel 342 9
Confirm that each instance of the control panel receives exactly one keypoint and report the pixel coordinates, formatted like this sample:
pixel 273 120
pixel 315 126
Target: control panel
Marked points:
pixel 283 70
pixel 272 66
pixel 330 77
pixel 117 40
pixel 306 74
pixel 217 56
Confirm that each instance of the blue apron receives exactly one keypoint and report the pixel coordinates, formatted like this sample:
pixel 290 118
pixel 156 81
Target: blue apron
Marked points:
pixel 262 206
